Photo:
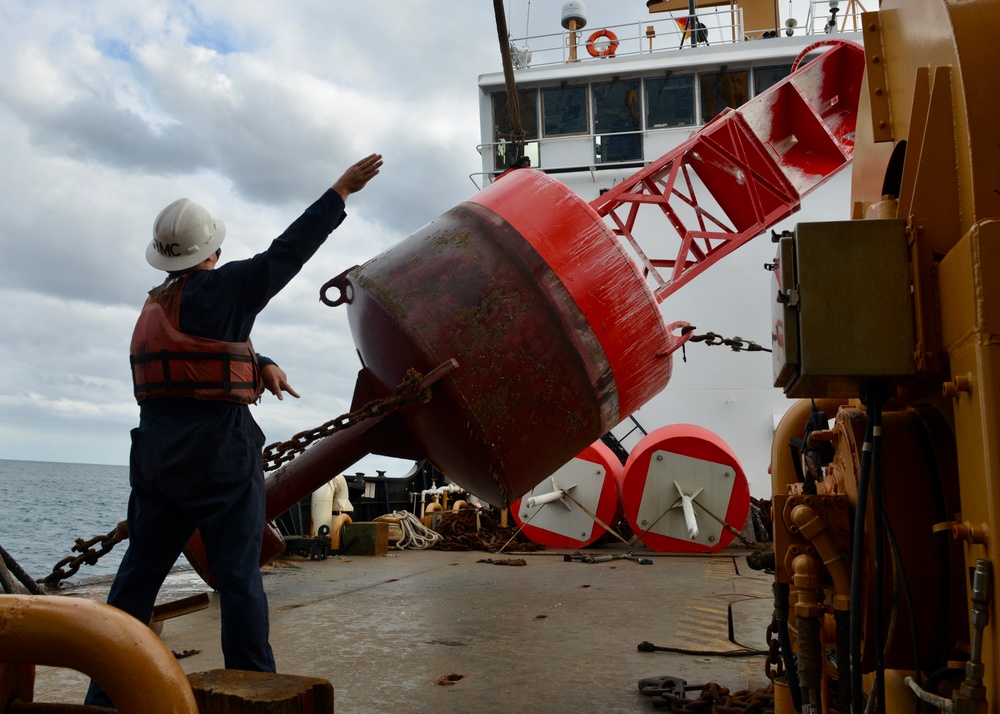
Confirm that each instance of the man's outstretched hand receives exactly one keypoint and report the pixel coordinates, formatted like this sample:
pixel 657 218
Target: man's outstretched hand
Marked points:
pixel 276 381
pixel 357 176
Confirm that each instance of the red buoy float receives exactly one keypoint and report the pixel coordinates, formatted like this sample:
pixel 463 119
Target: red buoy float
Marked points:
pixel 559 512
pixel 555 333
pixel 682 482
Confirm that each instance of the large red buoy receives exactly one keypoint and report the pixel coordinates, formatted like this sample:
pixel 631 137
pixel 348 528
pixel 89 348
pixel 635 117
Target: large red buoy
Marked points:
pixel 530 321
pixel 556 334
pixel 534 330
pixel 681 483
pixel 559 512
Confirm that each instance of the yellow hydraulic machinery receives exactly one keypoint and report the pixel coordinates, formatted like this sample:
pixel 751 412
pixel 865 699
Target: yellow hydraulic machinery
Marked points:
pixel 886 475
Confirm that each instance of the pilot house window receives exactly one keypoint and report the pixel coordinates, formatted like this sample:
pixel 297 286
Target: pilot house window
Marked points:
pixel 617 121
pixel 502 133
pixel 670 102
pixel 720 90
pixel 564 111
pixel 766 77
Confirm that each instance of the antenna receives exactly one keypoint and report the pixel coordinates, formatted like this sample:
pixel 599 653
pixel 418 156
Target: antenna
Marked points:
pixel 574 18
pixel 574 15
pixel 831 25
pixel 520 56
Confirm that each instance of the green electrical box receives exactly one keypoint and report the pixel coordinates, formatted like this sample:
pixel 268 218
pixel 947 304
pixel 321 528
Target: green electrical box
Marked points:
pixel 365 538
pixel 843 308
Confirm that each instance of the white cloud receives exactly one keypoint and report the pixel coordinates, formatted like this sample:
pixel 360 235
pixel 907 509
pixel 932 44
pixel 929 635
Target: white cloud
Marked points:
pixel 109 114
pixel 110 109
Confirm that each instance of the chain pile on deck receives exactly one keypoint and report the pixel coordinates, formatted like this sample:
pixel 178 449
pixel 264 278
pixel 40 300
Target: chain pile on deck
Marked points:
pixel 670 693
pixel 475 529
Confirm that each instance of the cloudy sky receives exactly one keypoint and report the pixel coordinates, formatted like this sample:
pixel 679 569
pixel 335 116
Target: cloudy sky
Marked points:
pixel 111 109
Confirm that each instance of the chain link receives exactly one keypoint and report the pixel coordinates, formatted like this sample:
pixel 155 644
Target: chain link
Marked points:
pixel 68 567
pixel 407 393
pixel 736 344
pixel 716 698
pixel 712 698
pixel 774 666
pixel 475 529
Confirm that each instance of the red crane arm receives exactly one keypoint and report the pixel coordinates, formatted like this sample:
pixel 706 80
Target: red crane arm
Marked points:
pixel 743 172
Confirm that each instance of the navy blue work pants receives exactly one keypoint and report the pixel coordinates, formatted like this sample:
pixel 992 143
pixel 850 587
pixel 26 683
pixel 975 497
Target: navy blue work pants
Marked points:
pixel 213 482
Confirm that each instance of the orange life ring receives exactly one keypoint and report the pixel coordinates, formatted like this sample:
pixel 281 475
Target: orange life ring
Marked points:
pixel 608 51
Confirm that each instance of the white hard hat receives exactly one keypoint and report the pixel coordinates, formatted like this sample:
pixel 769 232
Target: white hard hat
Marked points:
pixel 184 234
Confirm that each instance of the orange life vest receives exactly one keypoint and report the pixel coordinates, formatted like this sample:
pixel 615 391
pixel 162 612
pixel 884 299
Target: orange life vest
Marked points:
pixel 169 363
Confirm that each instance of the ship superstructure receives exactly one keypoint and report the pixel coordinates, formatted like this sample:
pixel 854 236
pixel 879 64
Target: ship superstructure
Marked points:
pixel 598 103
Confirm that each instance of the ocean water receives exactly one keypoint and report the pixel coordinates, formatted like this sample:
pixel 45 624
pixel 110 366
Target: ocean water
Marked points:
pixel 46 506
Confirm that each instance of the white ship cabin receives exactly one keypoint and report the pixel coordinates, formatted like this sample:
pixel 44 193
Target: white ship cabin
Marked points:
pixel 596 104
pixel 618 97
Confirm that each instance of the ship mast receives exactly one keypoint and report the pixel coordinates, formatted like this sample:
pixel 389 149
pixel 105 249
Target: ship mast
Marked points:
pixel 516 130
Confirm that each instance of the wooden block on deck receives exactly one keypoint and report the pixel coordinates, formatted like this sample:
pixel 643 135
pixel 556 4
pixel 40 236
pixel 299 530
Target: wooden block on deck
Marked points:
pixel 17 683
pixel 365 538
pixel 234 691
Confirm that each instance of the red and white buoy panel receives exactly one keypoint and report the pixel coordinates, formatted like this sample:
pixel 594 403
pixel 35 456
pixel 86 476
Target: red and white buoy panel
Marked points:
pixel 680 482
pixel 551 513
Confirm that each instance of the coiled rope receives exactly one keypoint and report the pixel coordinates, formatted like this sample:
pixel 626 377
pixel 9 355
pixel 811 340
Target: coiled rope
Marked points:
pixel 415 534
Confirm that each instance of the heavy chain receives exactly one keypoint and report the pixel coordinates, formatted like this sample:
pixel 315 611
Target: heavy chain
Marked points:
pixel 504 561
pixel 406 393
pixel 468 529
pixel 67 567
pixel 736 344
pixel 716 698
pixel 774 666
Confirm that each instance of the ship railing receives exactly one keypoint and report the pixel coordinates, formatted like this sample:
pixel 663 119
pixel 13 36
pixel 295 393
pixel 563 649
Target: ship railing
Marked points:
pixel 722 26
pixel 560 154
pixel 821 18
pixel 634 39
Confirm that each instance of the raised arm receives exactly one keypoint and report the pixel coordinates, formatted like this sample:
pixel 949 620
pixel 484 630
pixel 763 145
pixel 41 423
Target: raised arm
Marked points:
pixel 355 178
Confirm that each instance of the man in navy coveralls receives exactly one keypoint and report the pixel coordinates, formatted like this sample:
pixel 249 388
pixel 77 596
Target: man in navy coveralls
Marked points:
pixel 196 458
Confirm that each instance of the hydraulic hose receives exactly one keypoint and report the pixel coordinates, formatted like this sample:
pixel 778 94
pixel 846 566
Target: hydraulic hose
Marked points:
pixel 843 621
pixel 857 559
pixel 809 610
pixel 810 661
pixel 878 511
pixel 904 584
pixel 873 395
pixel 814 528
pixel 780 591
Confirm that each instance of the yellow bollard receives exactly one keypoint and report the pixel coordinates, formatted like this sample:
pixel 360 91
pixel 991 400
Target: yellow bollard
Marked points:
pixel 106 644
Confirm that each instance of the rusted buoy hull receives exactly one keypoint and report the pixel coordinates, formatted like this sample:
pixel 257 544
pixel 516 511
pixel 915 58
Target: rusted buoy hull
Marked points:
pixel 556 335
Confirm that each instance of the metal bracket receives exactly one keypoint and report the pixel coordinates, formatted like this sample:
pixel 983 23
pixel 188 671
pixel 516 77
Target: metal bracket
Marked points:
pixel 878 88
